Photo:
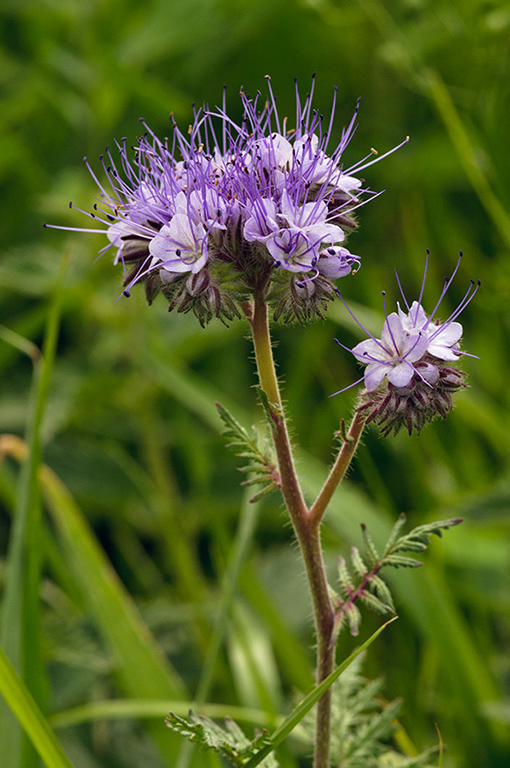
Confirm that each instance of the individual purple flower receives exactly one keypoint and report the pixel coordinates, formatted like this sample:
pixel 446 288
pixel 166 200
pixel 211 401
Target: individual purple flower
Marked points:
pixel 293 234
pixel 408 377
pixel 443 339
pixel 336 261
pixel 393 355
pixel 211 216
pixel 179 246
pixel 319 169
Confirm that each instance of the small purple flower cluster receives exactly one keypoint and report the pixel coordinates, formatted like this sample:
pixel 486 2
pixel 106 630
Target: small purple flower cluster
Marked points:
pixel 409 378
pixel 211 217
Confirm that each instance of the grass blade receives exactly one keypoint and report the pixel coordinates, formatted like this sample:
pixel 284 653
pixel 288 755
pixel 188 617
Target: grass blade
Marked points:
pixel 20 636
pixel 22 703
pixel 114 709
pixel 243 540
pixel 142 669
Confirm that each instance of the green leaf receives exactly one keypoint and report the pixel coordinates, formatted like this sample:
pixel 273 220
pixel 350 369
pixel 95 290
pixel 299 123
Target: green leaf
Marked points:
pixel 370 551
pixel 358 562
pixel 400 561
pixel 353 616
pixel 381 589
pixel 272 411
pixel 395 533
pixel 344 578
pixel 141 667
pixel 422 533
pixel 243 539
pixel 22 703
pixel 264 492
pixel 416 540
pixel 291 654
pixel 230 742
pixel 261 468
pixel 373 602
pixel 20 633
pixel 114 709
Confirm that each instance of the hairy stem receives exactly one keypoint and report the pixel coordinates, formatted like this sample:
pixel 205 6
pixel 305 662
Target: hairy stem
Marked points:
pixel 324 626
pixel 307 528
pixel 345 455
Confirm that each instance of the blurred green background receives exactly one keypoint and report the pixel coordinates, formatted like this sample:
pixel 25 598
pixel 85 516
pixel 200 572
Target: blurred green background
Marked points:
pixel 129 423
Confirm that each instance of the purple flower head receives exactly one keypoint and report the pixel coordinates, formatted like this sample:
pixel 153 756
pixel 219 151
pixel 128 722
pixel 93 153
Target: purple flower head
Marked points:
pixel 408 377
pixel 229 208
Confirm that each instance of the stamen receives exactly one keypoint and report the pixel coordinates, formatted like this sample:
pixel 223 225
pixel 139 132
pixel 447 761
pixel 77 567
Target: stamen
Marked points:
pixel 358 167
pixel 349 386
pixel 377 341
pixel 387 325
pixel 447 284
pixel 420 298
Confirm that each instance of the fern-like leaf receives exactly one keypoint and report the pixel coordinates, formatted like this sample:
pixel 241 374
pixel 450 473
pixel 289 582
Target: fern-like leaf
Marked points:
pixel 358 563
pixel 262 469
pixel 345 581
pixel 371 554
pixel 417 540
pixel 379 588
pixel 372 601
pixel 402 561
pixel 353 616
pixel 230 741
pixel 395 532
pixel 272 411
pixel 365 584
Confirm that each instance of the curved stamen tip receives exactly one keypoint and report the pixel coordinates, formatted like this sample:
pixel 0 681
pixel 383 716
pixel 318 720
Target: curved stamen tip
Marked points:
pixel 342 345
pixel 71 204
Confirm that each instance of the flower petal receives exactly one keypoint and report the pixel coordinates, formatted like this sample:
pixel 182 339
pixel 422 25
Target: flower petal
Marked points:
pixel 374 375
pixel 400 375
pixel 393 333
pixel 414 346
pixel 447 335
pixel 370 351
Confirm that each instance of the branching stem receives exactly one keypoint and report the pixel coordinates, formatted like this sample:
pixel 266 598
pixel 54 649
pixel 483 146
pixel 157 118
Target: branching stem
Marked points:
pixel 306 526
pixel 345 455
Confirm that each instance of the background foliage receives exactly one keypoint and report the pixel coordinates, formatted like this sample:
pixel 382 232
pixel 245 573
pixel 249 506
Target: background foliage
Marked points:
pixel 129 424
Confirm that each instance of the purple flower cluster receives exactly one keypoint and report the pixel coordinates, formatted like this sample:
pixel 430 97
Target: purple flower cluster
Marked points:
pixel 233 208
pixel 409 378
